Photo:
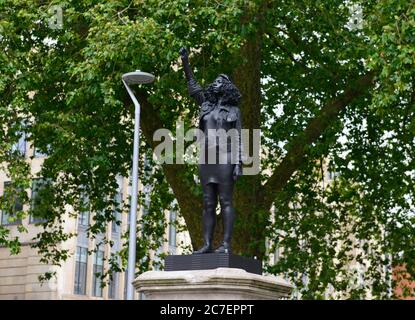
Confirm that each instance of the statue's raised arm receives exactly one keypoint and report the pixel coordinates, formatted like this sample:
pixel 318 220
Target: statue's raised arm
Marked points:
pixel 195 90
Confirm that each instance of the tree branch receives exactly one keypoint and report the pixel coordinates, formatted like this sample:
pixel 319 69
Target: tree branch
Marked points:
pixel 296 154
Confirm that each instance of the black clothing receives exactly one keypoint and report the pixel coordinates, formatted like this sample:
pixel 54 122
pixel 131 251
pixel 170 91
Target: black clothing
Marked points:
pixel 219 154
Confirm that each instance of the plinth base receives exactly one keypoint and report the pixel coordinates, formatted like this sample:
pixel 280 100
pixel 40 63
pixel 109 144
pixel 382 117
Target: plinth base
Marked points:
pixel 213 284
pixel 208 261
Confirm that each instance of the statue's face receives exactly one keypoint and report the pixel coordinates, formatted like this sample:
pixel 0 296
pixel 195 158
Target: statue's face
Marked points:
pixel 217 84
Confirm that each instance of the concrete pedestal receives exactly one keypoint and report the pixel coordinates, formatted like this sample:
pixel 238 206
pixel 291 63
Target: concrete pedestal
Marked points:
pixel 213 284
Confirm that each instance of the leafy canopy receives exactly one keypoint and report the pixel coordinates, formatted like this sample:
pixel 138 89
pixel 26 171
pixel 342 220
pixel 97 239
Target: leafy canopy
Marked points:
pixel 330 95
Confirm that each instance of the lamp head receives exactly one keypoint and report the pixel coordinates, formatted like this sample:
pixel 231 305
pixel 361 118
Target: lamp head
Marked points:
pixel 137 77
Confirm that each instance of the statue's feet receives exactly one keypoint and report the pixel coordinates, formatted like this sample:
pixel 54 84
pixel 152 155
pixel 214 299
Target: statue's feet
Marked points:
pixel 205 249
pixel 224 248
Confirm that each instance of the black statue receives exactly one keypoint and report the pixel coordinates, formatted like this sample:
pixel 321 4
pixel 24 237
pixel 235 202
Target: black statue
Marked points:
pixel 219 110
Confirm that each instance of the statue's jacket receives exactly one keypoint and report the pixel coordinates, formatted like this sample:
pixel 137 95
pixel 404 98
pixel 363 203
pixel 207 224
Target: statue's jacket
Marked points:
pixel 227 117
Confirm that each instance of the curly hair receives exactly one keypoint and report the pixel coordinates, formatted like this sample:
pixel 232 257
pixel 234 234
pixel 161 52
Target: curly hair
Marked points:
pixel 228 91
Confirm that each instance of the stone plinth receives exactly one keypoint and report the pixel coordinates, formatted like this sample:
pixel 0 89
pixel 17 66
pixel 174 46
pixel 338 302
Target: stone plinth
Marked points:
pixel 212 284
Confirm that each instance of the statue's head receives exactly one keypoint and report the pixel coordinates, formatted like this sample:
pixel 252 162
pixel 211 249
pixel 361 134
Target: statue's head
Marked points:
pixel 223 87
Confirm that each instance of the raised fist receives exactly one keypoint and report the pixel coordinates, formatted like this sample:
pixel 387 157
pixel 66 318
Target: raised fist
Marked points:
pixel 237 172
pixel 183 53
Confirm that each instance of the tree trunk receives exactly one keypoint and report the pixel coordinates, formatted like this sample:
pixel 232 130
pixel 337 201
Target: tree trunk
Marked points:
pixel 250 223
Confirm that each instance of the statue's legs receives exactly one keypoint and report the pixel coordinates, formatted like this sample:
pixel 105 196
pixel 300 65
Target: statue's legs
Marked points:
pixel 228 215
pixel 210 201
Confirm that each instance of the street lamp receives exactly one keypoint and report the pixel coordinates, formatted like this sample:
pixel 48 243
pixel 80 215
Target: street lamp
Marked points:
pixel 135 77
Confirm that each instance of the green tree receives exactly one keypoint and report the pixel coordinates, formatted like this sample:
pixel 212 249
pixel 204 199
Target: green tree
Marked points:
pixel 321 84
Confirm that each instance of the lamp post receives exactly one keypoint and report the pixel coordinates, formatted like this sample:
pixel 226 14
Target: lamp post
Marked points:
pixel 135 77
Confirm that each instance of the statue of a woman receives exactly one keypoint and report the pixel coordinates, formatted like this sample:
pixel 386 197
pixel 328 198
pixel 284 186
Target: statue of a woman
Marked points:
pixel 219 110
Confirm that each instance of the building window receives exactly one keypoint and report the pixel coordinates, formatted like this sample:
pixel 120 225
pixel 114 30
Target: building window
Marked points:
pixel 331 174
pixel 38 189
pixel 172 232
pixel 147 199
pixel 157 261
pixel 39 154
pixel 83 216
pixel 113 286
pixel 117 215
pixel 20 146
pixel 8 216
pixel 125 283
pixel 98 271
pixel 80 270
pixel 115 227
pixel 83 219
pixel 276 255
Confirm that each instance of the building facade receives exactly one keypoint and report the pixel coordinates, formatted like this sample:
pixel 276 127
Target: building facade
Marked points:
pixel 77 277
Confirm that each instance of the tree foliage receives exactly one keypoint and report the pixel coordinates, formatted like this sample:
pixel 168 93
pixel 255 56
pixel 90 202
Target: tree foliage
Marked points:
pixel 329 94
